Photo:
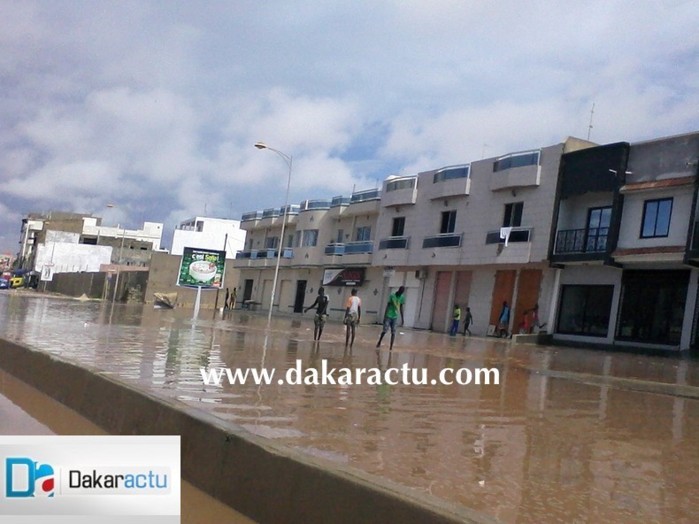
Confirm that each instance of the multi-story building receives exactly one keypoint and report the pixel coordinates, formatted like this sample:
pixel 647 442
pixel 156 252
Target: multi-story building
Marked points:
pixel 326 243
pixel 209 233
pixel 603 239
pixel 626 243
pixel 476 235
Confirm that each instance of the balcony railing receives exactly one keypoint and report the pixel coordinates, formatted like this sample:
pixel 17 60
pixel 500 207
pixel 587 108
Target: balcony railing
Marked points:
pixel 394 243
pixel 270 213
pixel 443 240
pixel 518 234
pixel 253 215
pixel 308 205
pixel 256 254
pixel 592 240
pixel 363 196
pixel 350 248
pixel 340 201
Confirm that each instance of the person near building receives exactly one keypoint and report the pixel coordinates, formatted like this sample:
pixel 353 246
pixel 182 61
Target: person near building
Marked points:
pixel 353 314
pixel 468 320
pixel 455 320
pixel 321 305
pixel 393 308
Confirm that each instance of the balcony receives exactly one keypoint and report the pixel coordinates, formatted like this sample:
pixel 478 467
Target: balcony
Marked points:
pixel 350 248
pixel 253 215
pixel 364 203
pixel 443 240
pixel 573 241
pixel 340 201
pixel 394 243
pixel 516 170
pixel 518 234
pixel 259 254
pixel 450 182
pixel 400 191
pixel 315 205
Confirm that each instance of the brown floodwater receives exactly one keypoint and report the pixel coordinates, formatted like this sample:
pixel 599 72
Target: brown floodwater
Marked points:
pixel 547 444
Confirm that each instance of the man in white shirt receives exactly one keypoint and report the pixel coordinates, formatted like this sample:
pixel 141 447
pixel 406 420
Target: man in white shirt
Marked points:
pixel 352 315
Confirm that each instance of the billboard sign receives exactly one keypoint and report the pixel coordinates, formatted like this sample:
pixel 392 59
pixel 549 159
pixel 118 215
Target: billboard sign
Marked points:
pixel 348 276
pixel 202 268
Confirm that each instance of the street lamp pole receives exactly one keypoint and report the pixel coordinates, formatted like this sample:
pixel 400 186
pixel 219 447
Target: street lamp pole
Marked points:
pixel 288 159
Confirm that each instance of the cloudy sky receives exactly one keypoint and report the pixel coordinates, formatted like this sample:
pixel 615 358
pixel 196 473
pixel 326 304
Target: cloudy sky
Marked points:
pixel 154 106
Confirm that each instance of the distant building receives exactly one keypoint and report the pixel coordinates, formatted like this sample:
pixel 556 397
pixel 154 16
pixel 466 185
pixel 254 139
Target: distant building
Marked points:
pixel 209 233
pixel 76 242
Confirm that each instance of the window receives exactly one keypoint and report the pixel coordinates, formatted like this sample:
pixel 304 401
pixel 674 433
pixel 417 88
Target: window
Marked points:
pixel 200 226
pixel 448 221
pixel 398 227
pixel 271 242
pixel 310 238
pixel 585 310
pixel 450 174
pixel 526 158
pixel 513 215
pixel 652 313
pixel 340 236
pixel 297 239
pixel 598 221
pixel 363 233
pixel 290 240
pixel 656 218
pixel 403 183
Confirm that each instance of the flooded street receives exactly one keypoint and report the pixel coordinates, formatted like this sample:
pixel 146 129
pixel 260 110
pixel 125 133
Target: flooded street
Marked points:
pixel 569 435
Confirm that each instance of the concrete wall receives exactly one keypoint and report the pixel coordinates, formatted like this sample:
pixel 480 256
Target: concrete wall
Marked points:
pixel 164 270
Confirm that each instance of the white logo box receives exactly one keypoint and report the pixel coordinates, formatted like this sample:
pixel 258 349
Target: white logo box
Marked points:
pixel 55 478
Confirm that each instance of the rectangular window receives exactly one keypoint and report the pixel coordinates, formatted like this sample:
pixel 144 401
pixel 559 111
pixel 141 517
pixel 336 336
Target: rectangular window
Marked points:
pixel 585 310
pixel 310 238
pixel 448 221
pixel 513 214
pixel 398 227
pixel 404 183
pixel 450 174
pixel 363 233
pixel 271 242
pixel 290 240
pixel 526 158
pixel 656 218
pixel 653 313
pixel 340 236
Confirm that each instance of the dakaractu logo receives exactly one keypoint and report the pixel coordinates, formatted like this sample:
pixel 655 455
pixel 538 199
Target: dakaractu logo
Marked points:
pixel 26 478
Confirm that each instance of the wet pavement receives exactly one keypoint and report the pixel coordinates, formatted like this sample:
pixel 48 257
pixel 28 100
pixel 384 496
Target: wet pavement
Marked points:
pixel 569 435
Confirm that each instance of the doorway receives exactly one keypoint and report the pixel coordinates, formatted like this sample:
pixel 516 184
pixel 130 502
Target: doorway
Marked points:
pixel 247 290
pixel 300 295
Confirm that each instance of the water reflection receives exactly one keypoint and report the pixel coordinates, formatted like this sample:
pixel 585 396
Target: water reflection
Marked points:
pixel 536 448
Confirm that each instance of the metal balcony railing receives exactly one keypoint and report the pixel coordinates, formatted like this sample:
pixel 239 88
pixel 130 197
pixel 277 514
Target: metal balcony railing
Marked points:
pixel 350 248
pixel 443 240
pixel 363 196
pixel 253 215
pixel 256 254
pixel 592 240
pixel 518 234
pixel 394 243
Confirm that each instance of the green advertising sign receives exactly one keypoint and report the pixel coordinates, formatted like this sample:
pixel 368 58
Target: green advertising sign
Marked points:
pixel 202 268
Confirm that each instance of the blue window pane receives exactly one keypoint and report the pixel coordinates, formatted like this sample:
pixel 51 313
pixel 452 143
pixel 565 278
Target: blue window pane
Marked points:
pixel 662 227
pixel 649 219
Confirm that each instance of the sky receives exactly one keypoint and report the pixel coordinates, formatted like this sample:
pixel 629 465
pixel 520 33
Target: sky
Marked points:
pixel 148 110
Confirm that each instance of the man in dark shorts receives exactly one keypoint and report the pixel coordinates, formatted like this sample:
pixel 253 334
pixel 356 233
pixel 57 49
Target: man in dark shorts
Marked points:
pixel 321 305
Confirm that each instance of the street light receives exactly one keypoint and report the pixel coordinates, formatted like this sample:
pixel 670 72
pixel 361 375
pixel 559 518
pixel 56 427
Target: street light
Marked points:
pixel 288 159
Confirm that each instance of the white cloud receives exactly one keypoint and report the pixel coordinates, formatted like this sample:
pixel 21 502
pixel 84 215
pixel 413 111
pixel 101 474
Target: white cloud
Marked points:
pixel 155 106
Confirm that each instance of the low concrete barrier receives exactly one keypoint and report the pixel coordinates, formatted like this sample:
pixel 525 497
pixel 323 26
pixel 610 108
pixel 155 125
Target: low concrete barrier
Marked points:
pixel 267 482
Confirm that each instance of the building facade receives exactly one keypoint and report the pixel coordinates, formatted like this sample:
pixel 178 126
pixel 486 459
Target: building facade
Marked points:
pixel 601 239
pixel 626 245
pixel 209 233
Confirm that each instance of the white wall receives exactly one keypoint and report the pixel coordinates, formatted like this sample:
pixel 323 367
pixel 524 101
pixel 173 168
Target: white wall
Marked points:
pixel 72 258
